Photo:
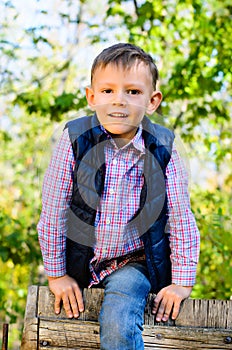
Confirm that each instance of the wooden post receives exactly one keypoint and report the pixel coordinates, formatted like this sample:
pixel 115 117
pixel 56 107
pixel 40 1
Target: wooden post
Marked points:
pixel 5 336
pixel 31 321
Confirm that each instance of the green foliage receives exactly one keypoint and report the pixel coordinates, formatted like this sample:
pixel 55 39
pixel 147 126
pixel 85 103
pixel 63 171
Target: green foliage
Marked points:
pixel 46 104
pixel 18 241
pixel 214 221
pixel 19 213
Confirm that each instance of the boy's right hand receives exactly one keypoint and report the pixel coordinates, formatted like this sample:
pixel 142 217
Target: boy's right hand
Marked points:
pixel 66 289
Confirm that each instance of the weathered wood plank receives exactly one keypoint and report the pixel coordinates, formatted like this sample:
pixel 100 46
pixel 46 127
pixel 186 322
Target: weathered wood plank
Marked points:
pixel 194 312
pixel 206 313
pixel 197 313
pixel 185 338
pixel 30 331
pixel 84 335
pixel 92 298
pixel 71 334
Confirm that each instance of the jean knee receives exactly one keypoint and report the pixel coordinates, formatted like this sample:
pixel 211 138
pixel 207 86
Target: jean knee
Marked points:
pixel 120 328
pixel 111 322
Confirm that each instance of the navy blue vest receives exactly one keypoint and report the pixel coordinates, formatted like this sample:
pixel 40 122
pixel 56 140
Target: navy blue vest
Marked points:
pixel 88 140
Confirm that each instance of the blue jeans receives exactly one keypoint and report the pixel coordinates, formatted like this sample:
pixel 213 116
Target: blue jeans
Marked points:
pixel 122 312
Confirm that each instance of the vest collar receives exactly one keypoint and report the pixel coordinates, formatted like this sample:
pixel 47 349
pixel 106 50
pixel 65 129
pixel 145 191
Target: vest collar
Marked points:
pixel 149 132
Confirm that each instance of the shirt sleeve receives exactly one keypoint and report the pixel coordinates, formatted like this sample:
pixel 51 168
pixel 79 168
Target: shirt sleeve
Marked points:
pixel 184 234
pixel 56 197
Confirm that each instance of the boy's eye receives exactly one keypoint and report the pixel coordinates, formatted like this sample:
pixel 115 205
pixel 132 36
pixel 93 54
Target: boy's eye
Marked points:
pixel 107 91
pixel 133 92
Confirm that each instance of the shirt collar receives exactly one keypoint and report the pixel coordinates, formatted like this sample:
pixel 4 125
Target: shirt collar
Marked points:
pixel 137 140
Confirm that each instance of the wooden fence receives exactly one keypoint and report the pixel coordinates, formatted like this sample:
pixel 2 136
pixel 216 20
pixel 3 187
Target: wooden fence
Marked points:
pixel 201 324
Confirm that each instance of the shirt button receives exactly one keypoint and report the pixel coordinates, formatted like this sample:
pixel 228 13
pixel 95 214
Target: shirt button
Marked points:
pixel 107 221
pixel 112 191
pixel 115 161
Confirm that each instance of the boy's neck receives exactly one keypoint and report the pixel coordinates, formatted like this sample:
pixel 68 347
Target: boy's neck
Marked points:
pixel 122 141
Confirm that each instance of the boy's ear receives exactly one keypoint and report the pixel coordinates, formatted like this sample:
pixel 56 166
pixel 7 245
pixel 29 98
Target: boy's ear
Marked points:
pixel 90 97
pixel 155 101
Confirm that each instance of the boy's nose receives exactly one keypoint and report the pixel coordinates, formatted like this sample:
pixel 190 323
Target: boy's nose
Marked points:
pixel 119 99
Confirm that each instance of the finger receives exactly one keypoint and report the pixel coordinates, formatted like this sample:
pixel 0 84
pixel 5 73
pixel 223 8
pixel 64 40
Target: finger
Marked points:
pixel 73 304
pixel 79 298
pixel 176 309
pixel 160 312
pixel 67 307
pixel 155 307
pixel 167 311
pixel 157 301
pixel 57 304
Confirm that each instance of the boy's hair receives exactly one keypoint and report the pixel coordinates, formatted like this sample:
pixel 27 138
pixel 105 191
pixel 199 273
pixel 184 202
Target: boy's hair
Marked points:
pixel 126 55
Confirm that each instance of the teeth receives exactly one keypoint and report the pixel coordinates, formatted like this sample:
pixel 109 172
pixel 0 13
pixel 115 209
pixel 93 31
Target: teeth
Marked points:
pixel 120 115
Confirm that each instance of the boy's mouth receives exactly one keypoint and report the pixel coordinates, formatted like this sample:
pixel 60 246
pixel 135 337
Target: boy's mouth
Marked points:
pixel 117 115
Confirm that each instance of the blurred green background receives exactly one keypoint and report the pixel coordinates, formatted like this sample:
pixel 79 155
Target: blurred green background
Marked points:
pixel 46 49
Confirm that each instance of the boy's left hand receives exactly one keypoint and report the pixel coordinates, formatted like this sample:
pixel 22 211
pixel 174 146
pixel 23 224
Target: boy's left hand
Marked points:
pixel 168 300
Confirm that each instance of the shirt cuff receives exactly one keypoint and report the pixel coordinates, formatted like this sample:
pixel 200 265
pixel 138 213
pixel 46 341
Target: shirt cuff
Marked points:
pixel 184 275
pixel 54 268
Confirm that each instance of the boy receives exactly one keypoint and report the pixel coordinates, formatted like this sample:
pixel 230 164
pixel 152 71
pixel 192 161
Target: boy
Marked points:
pixel 116 209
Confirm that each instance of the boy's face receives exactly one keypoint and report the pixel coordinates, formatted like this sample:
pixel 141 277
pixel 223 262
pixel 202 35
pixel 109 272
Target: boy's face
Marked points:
pixel 120 97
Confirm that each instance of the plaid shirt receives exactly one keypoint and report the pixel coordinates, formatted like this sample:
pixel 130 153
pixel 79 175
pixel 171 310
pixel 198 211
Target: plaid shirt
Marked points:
pixel 120 200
